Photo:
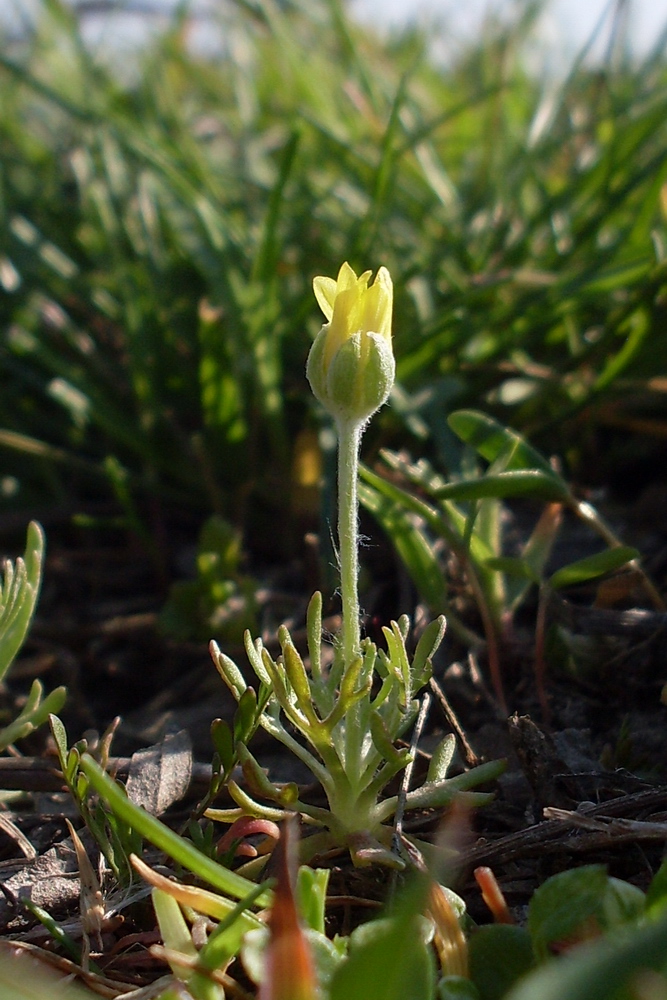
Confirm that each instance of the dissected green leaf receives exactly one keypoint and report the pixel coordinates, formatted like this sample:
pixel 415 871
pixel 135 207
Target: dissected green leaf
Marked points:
pixel 18 596
pixel 34 714
pixel 428 645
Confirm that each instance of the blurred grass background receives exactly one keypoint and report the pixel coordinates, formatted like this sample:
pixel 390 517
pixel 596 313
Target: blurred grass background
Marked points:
pixel 162 218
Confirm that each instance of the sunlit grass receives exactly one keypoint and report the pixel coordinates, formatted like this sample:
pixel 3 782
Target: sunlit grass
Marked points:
pixel 159 239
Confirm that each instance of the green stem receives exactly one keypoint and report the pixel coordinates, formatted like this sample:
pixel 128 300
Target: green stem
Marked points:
pixel 349 438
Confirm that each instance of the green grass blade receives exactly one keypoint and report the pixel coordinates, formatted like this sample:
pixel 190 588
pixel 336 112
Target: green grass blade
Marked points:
pixel 153 830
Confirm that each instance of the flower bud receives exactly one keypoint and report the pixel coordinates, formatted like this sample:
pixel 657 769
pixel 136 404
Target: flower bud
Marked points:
pixel 351 364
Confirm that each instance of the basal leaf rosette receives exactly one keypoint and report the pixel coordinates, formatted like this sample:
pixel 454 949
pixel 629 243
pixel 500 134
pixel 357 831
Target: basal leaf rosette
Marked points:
pixel 345 726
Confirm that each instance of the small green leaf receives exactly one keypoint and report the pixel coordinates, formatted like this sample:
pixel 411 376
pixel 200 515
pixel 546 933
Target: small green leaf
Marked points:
pixel 71 765
pixel 245 716
pixel 656 897
pixel 228 670
pixel 314 632
pixel 493 441
pixel 34 713
pixel 18 596
pixel 441 760
pixel 563 903
pixel 600 969
pixel 533 483
pixel 427 647
pixel 223 741
pixel 298 678
pixel 153 830
pixel 389 961
pixel 593 566
pixel 384 743
pixel 311 894
pixel 256 779
pixel 59 734
pixel 81 789
pixel 457 988
pixel 440 793
pixel 499 956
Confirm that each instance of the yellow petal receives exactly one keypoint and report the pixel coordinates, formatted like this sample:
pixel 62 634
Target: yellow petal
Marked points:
pixel 347 278
pixel 325 293
pixel 386 294
pixel 376 304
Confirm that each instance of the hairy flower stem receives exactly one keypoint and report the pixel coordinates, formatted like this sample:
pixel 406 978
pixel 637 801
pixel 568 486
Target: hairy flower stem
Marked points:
pixel 349 439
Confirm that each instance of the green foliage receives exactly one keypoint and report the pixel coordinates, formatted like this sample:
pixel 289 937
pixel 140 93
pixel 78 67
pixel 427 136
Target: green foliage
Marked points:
pixel 220 600
pixel 389 958
pixel 577 900
pixel 603 931
pixel 500 954
pixel 611 943
pixel 18 597
pixel 606 969
pixel 351 730
pixel 467 515
pixel 222 944
pixel 116 838
pixel 152 829
pixel 159 236
pixel 161 230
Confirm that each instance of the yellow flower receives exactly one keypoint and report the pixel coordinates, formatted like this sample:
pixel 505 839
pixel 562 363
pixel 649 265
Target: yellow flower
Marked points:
pixel 351 364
